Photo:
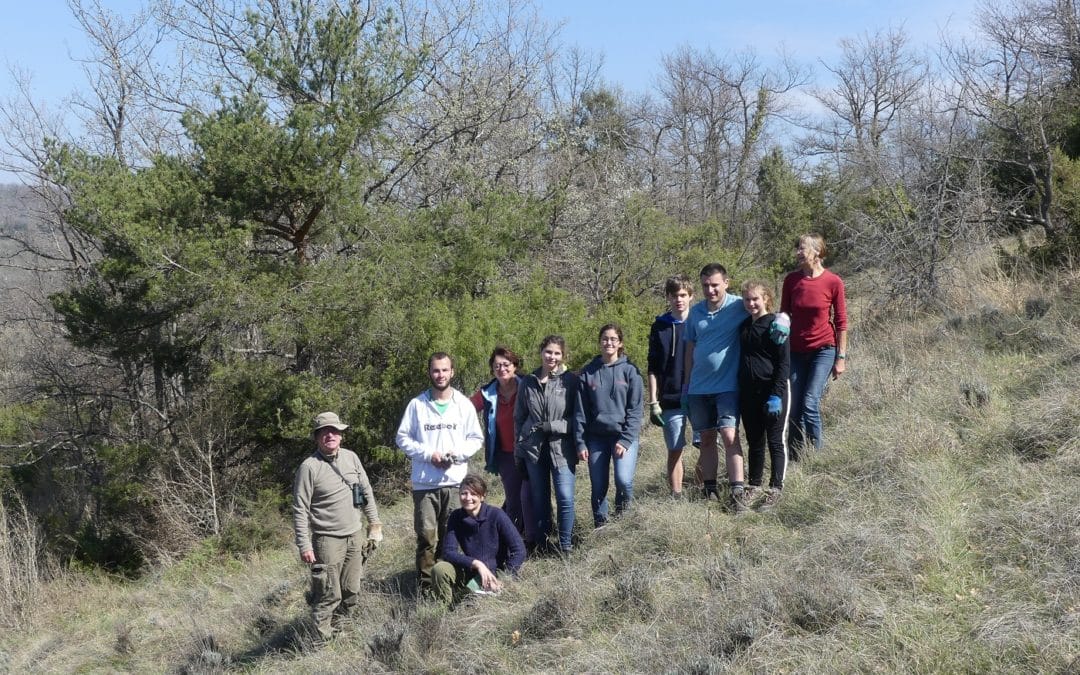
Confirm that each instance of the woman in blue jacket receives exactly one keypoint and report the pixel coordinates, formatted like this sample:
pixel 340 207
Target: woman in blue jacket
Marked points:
pixel 607 422
pixel 496 401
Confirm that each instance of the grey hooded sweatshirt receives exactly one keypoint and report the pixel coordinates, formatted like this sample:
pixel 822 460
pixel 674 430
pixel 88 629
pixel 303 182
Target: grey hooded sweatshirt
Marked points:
pixel 609 402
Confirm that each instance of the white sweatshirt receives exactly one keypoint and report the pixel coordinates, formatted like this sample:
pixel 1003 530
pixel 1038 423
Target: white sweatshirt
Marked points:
pixel 455 433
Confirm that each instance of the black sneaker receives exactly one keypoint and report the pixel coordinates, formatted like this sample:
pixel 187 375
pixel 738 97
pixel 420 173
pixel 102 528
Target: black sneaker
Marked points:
pixel 772 497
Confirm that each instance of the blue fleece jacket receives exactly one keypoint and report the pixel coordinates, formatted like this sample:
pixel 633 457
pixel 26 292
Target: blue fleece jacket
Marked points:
pixel 489 537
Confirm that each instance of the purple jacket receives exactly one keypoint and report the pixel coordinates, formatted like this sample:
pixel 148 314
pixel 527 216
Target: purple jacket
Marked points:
pixel 490 537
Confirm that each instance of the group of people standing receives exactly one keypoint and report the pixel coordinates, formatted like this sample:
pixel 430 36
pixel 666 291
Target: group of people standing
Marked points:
pixel 729 357
pixel 711 363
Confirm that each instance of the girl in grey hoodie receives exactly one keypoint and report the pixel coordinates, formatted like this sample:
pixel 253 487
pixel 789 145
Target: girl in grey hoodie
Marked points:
pixel 607 422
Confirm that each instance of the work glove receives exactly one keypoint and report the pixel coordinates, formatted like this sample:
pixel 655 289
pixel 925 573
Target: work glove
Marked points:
pixel 773 407
pixel 656 414
pixel 374 536
pixel 780 328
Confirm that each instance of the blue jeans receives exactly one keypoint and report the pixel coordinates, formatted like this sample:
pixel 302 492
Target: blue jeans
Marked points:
pixel 601 455
pixel 542 475
pixel 809 376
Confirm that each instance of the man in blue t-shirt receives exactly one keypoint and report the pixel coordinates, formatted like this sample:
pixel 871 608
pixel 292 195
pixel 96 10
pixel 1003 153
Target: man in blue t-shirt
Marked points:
pixel 712 359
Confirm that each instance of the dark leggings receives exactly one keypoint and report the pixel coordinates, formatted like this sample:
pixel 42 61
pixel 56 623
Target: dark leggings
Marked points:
pixel 760 428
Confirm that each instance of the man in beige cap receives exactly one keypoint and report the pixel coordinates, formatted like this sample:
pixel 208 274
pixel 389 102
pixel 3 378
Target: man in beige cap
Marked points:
pixel 330 490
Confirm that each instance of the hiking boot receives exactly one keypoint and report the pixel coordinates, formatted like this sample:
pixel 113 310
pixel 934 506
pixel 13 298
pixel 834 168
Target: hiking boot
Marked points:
pixel 710 493
pixel 739 501
pixel 752 493
pixel 772 497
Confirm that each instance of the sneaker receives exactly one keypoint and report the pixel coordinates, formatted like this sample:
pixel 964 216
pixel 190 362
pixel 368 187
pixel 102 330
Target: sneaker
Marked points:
pixel 772 496
pixel 739 501
pixel 710 493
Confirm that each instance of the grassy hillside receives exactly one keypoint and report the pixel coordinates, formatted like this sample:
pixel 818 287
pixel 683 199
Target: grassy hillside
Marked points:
pixel 938 532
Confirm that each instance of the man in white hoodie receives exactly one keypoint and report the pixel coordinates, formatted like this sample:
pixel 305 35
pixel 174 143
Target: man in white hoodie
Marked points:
pixel 439 432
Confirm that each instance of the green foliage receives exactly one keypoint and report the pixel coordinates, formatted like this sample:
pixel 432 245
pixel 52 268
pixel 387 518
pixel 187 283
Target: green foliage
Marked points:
pixel 17 420
pixel 782 210
pixel 256 525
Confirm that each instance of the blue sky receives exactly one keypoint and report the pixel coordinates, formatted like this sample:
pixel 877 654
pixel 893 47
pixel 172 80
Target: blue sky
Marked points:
pixel 40 36
pixel 633 35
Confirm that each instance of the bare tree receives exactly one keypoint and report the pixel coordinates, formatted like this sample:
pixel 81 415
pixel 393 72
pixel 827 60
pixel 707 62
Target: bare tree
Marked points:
pixel 710 129
pixel 1016 82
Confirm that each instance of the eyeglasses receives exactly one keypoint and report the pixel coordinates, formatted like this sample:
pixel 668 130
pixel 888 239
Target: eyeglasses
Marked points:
pixel 502 366
pixel 610 340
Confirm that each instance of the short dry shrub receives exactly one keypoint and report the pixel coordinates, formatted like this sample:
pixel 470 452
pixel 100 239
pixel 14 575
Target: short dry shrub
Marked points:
pixel 1025 636
pixel 204 656
pixel 1037 531
pixel 384 645
pixel 633 596
pixel 1039 427
pixel 553 615
pixel 819 604
pixel 432 627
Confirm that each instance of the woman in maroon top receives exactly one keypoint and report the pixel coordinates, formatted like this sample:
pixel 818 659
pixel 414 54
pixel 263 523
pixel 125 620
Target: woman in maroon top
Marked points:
pixel 496 400
pixel 814 297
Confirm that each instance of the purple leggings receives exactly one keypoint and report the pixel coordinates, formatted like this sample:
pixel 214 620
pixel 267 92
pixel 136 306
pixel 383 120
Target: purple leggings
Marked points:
pixel 518 503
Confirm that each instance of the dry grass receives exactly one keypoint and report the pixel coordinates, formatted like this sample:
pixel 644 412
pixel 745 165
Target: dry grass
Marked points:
pixel 939 531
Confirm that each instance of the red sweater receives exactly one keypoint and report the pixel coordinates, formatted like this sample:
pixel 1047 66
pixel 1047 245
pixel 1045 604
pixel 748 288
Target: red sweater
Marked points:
pixel 817 308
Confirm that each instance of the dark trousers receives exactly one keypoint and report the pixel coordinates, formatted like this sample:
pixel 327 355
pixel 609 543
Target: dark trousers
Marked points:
pixel 761 429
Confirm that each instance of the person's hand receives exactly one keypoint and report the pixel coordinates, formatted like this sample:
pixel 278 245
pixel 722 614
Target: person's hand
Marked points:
pixel 620 450
pixel 780 328
pixel 773 406
pixel 543 427
pixel 308 556
pixel 488 581
pixel 656 414
pixel 583 454
pixel 374 532
pixel 839 366
pixel 442 462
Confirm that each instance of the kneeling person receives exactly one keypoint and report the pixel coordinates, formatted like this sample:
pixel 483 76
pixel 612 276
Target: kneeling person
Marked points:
pixel 480 539
pixel 329 491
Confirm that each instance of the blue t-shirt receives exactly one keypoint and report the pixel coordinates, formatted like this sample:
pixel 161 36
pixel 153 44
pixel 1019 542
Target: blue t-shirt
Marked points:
pixel 716 345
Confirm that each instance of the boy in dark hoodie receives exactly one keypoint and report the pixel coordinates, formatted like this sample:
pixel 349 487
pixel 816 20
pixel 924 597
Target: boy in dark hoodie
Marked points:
pixel 667 356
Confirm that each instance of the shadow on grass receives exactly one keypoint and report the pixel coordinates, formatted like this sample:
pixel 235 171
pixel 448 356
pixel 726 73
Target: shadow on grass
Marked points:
pixel 295 637
pixel 401 584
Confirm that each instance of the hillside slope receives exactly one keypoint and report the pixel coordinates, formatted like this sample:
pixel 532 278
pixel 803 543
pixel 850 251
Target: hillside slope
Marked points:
pixel 939 531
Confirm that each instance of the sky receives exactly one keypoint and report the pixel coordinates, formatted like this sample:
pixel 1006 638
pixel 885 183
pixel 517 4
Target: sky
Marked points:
pixel 633 35
pixel 41 37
